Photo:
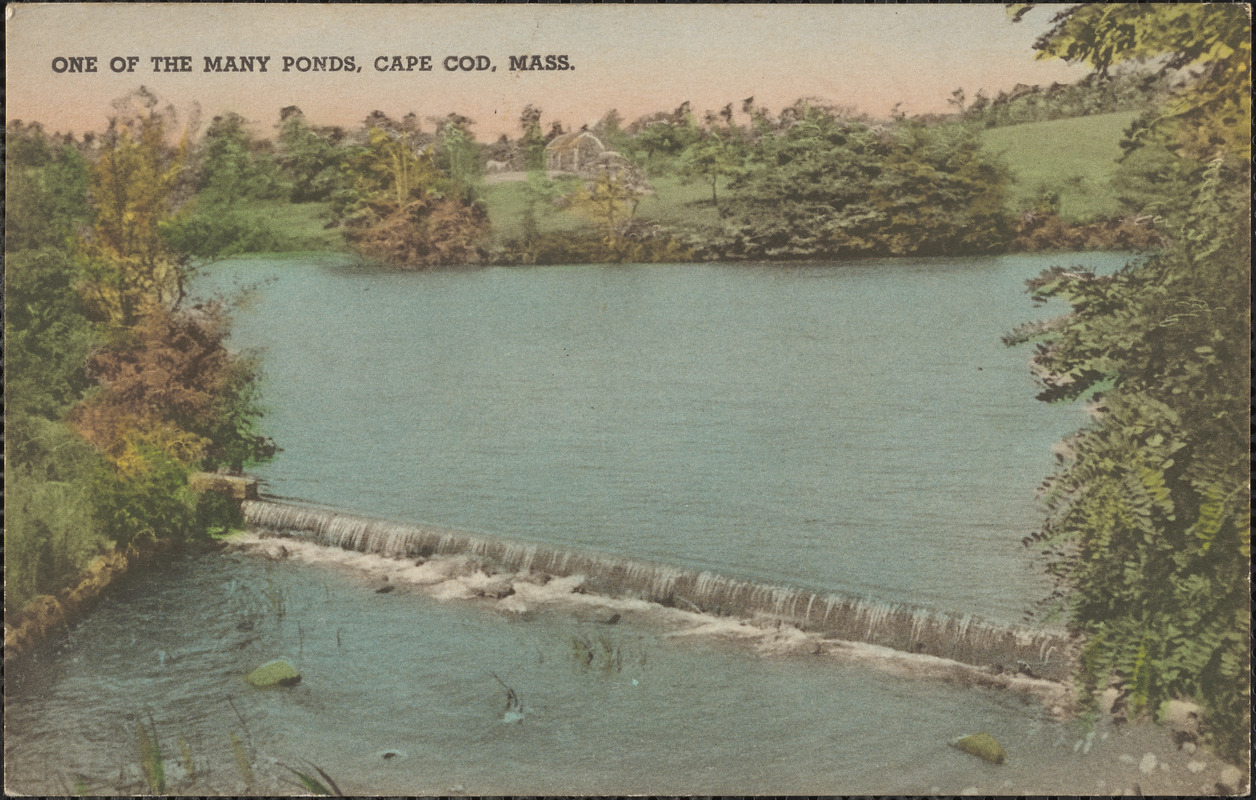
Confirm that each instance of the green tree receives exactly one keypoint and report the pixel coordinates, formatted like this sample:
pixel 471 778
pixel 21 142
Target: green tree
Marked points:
pixel 938 193
pixel 1212 112
pixel 312 160
pixel 1148 522
pixel 235 165
pixel 533 139
pixel 461 158
pixel 45 189
pixel 712 159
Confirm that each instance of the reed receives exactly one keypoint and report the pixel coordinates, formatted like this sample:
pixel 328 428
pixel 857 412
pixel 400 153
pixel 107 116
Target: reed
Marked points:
pixel 151 760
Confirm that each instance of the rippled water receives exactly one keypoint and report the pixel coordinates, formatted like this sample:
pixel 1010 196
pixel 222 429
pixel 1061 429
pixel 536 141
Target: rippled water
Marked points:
pixel 855 427
pixel 848 427
pixel 405 674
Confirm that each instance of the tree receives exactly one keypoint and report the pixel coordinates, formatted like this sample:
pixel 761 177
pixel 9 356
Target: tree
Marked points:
pixel 235 166
pixel 822 185
pixel 460 154
pixel 1212 113
pixel 392 167
pixel 609 200
pixel 533 139
pixel 1148 522
pixel 405 211
pixel 129 268
pixel 46 189
pixel 711 159
pixel 312 160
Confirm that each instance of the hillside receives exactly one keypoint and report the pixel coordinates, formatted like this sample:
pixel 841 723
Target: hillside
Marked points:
pixel 1075 158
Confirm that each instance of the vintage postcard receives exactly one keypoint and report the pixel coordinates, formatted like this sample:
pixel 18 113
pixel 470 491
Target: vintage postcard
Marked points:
pixel 580 400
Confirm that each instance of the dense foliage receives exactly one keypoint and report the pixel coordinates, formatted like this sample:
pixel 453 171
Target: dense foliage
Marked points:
pixel 116 389
pixel 411 199
pixel 1148 520
pixel 824 185
pixel 1133 90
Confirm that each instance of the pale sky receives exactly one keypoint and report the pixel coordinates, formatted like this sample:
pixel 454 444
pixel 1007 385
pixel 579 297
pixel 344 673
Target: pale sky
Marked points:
pixel 637 59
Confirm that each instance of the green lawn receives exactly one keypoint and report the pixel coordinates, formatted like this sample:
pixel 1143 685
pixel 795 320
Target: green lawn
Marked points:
pixel 1075 158
pixel 506 203
pixel 681 205
pixel 299 226
pixel 673 204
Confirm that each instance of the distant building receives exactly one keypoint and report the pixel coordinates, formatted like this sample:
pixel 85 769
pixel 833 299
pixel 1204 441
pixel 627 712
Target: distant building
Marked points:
pixel 573 152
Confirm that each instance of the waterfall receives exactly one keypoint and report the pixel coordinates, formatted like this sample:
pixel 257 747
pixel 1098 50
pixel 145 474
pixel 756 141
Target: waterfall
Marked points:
pixel 967 639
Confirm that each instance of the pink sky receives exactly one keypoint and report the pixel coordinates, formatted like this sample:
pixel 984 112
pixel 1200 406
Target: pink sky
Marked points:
pixel 633 58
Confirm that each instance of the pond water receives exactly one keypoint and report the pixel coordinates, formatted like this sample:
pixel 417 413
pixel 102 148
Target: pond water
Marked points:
pixel 853 427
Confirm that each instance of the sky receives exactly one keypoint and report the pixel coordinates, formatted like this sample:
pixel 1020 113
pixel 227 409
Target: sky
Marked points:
pixel 636 59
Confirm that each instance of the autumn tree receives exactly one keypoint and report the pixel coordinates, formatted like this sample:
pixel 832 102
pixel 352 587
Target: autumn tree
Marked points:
pixel 404 210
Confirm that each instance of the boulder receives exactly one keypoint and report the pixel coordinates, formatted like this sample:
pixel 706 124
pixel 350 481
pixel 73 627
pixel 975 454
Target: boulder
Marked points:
pixel 983 746
pixel 274 673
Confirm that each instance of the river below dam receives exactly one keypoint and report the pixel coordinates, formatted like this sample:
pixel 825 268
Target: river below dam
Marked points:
pixel 855 428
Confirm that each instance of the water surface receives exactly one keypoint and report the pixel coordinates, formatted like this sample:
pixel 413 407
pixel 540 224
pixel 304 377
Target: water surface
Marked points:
pixel 855 427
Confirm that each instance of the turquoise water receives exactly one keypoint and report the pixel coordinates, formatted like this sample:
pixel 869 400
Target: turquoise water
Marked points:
pixel 855 427
pixel 851 427
pixel 406 675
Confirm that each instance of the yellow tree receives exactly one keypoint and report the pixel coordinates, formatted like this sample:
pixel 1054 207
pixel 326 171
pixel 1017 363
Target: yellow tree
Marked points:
pixel 611 201
pixel 128 267
pixel 396 169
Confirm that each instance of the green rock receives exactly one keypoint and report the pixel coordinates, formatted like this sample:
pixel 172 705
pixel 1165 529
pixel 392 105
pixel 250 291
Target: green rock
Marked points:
pixel 983 746
pixel 274 673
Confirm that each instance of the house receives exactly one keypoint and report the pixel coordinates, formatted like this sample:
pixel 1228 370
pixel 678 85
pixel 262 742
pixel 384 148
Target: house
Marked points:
pixel 572 152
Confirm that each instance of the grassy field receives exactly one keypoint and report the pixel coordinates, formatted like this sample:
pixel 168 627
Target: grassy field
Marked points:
pixel 1075 158
pixel 673 204
pixel 299 226
pixel 506 203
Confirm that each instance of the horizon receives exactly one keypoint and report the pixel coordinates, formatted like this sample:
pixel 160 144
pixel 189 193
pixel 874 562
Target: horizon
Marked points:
pixel 637 61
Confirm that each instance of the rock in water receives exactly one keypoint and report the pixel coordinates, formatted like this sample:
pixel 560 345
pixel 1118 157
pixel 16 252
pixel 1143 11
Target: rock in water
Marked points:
pixel 983 746
pixel 274 673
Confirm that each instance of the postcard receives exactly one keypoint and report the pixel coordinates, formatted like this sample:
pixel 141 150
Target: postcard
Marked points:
pixel 581 400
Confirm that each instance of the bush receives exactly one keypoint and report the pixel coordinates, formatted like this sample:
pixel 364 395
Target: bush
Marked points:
pixel 217 231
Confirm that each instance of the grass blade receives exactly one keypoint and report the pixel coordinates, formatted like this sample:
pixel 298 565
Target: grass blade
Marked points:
pixel 309 783
pixel 242 761
pixel 150 758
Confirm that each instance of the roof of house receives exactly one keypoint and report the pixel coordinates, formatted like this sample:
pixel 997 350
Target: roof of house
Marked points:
pixel 570 141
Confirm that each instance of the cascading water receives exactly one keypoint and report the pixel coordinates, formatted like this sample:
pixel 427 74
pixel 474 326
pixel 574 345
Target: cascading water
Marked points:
pixel 1044 653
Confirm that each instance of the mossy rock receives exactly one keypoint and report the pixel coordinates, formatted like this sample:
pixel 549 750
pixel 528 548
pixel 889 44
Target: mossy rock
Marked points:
pixel 983 746
pixel 274 673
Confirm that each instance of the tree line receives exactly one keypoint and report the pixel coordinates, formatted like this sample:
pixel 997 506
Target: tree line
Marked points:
pixel 808 181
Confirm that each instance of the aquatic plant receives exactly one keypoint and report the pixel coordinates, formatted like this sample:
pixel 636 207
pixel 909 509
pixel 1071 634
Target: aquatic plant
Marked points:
pixel 243 763
pixel 514 707
pixel 313 784
pixel 151 761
